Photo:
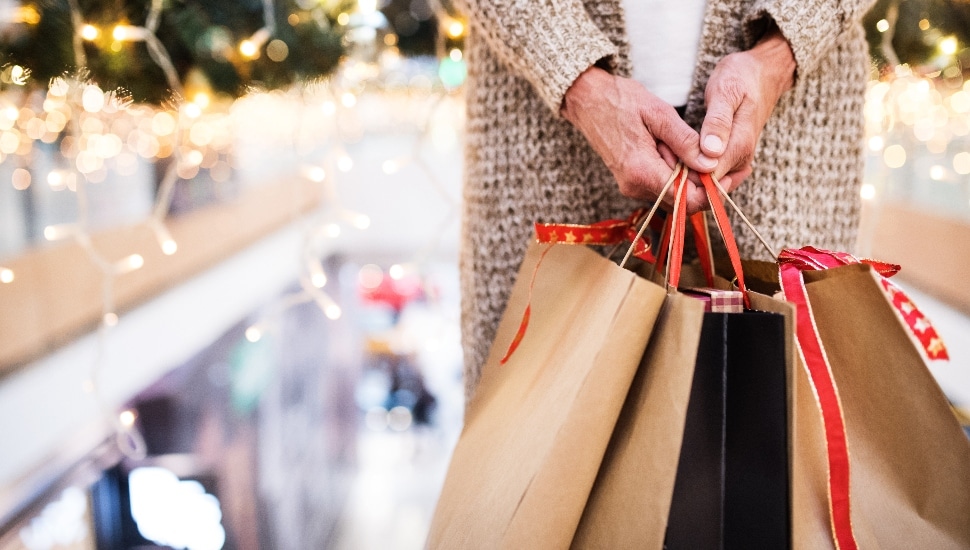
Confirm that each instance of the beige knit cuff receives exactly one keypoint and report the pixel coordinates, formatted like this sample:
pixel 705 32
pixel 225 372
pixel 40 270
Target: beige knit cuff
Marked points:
pixel 809 28
pixel 561 55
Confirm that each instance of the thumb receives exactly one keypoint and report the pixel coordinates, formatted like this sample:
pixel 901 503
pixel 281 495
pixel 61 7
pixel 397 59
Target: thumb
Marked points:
pixel 716 129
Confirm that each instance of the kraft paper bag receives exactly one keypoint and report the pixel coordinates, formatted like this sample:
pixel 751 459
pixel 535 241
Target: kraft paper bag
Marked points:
pixel 538 426
pixel 718 478
pixel 630 501
pixel 729 457
pixel 909 458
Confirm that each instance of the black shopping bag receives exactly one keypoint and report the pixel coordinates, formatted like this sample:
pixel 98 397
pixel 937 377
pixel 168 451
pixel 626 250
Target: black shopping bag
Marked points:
pixel 732 484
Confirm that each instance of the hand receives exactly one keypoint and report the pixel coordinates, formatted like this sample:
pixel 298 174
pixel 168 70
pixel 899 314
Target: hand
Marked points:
pixel 740 95
pixel 638 135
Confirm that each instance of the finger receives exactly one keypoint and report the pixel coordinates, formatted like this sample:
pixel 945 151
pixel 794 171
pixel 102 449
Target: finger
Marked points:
pixel 666 126
pixel 694 195
pixel 645 176
pixel 671 161
pixel 696 199
pixel 668 199
pixel 724 96
pixel 740 149
pixel 694 176
pixel 665 153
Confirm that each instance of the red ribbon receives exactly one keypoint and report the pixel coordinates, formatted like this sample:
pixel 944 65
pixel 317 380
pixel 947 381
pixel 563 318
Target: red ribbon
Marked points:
pixel 527 314
pixel 724 225
pixel 820 374
pixel 791 265
pixel 702 241
pixel 604 233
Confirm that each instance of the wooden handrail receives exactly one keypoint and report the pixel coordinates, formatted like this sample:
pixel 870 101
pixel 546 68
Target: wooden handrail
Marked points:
pixel 57 293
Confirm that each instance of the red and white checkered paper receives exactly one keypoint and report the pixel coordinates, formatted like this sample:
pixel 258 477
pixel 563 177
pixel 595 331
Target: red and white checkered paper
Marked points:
pixel 717 300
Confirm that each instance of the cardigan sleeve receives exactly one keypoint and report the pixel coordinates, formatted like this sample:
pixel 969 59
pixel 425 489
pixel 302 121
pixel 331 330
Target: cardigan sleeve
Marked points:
pixel 549 43
pixel 812 27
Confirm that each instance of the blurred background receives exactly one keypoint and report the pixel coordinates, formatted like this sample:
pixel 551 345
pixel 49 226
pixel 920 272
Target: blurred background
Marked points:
pixel 228 259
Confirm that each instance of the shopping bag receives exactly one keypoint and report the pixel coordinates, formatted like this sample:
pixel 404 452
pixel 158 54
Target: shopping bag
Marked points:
pixel 719 480
pixel 879 460
pixel 630 501
pixel 538 425
pixel 732 479
pixel 567 349
pixel 907 473
pixel 729 458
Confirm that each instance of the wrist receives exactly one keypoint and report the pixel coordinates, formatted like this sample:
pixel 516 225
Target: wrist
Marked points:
pixel 585 85
pixel 777 58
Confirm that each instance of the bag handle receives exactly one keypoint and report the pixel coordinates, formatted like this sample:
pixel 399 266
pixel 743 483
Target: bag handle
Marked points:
pixel 678 176
pixel 727 233
pixel 698 224
pixel 712 185
pixel 702 242
pixel 678 230
pixel 679 171
pixel 676 227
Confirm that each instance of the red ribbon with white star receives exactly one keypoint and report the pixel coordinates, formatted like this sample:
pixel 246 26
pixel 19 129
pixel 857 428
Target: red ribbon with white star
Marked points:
pixel 810 258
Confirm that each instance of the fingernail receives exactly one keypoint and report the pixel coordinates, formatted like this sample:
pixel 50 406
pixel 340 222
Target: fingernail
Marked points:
pixel 713 143
pixel 706 163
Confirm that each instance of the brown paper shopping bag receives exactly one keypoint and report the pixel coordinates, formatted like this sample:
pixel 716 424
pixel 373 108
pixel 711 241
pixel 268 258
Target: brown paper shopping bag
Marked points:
pixel 538 425
pixel 719 479
pixel 879 460
pixel 630 502
pixel 908 458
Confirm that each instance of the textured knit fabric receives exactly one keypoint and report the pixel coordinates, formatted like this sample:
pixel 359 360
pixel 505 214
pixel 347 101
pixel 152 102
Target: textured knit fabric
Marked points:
pixel 524 163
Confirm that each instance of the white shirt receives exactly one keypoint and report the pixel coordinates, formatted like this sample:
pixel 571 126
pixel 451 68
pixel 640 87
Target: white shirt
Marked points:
pixel 664 38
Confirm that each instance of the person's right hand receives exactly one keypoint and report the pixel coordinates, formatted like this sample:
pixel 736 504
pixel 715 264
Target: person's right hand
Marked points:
pixel 638 135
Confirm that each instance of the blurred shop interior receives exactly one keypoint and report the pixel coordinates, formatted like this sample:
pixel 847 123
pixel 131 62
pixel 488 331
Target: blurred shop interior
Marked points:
pixel 228 259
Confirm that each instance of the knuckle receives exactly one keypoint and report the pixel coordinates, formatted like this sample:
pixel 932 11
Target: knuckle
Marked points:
pixel 746 151
pixel 628 188
pixel 733 87
pixel 656 119
pixel 744 145
pixel 681 143
pixel 719 119
pixel 625 179
pixel 632 179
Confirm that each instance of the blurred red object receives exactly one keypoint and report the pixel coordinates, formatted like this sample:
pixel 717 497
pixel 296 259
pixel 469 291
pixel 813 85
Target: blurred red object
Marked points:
pixel 395 293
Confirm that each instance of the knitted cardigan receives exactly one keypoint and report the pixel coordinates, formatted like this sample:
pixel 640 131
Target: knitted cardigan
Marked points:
pixel 524 163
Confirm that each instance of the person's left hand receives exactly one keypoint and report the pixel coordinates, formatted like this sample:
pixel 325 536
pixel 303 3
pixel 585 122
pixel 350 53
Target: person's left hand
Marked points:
pixel 740 96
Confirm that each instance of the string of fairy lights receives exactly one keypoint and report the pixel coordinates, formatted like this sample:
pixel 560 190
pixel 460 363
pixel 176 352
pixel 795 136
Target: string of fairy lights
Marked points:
pixel 99 131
